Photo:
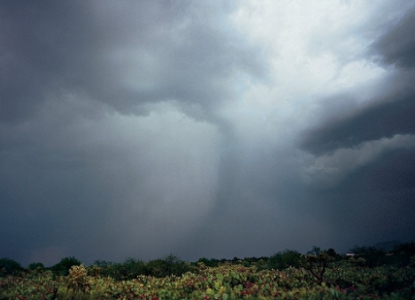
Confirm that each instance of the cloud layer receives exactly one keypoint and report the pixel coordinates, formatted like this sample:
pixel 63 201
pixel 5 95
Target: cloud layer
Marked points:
pixel 141 128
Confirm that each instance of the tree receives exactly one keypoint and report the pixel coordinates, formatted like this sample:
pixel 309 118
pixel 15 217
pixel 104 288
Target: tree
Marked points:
pixel 9 267
pixel 285 259
pixel 332 253
pixel 374 257
pixel 170 265
pixel 315 250
pixel 316 264
pixel 212 263
pixel 62 268
pixel 36 266
pixel 403 253
pixel 131 268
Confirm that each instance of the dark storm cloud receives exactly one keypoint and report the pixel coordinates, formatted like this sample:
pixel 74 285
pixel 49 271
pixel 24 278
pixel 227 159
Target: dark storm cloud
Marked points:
pixel 109 138
pixel 366 151
pixel 372 203
pixel 123 54
pixel 36 40
pixel 130 187
pixel 390 112
pixel 386 116
pixel 397 47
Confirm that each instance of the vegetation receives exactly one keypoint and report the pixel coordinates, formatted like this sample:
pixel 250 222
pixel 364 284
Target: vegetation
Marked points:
pixel 62 268
pixel 285 275
pixel 9 267
pixel 285 259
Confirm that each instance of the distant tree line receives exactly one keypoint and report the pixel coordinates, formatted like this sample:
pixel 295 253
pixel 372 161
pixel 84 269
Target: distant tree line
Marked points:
pixel 314 261
pixel 171 265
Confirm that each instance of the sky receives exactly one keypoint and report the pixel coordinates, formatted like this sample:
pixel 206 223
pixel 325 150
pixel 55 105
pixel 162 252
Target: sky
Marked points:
pixel 217 129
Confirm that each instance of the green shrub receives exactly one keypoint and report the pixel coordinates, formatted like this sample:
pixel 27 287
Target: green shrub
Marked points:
pixel 282 260
pixel 211 263
pixel 77 280
pixel 38 266
pixel 374 257
pixel 9 267
pixel 103 268
pixel 170 265
pixel 402 254
pixel 130 269
pixel 316 265
pixel 62 268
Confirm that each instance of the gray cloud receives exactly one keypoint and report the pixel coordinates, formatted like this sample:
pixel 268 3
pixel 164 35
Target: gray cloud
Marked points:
pixel 389 113
pixel 397 45
pixel 385 116
pixel 361 155
pixel 140 128
pixel 122 55
pixel 78 169
pixel 330 168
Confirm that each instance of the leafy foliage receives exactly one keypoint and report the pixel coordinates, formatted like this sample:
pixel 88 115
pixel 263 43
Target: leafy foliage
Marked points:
pixel 9 267
pixel 77 280
pixel 38 266
pixel 317 264
pixel 342 280
pixel 373 257
pixel 317 275
pixel 211 263
pixel 282 260
pixel 132 268
pixel 171 265
pixel 62 268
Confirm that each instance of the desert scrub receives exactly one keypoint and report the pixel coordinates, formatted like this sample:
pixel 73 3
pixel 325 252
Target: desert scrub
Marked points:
pixel 77 280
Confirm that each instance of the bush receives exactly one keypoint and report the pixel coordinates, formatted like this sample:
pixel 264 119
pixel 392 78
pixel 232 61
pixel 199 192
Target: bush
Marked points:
pixel 316 264
pixel 9 267
pixel 38 266
pixel 282 260
pixel 130 269
pixel 77 280
pixel 170 265
pixel 62 268
pixel 211 263
pixel 104 269
pixel 374 257
pixel 403 253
